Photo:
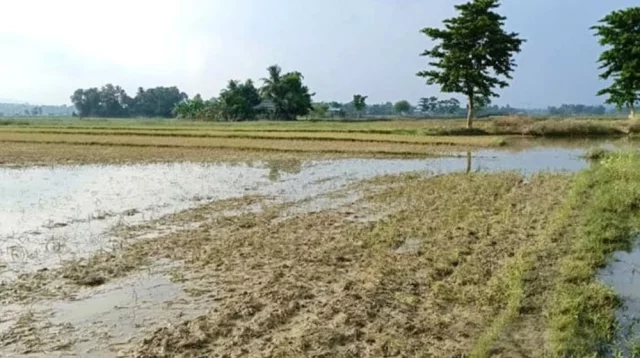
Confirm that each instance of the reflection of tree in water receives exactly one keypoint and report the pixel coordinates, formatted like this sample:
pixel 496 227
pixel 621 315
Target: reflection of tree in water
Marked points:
pixel 278 166
pixel 469 163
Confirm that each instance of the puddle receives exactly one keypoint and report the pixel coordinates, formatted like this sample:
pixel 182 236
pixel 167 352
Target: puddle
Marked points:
pixel 51 214
pixel 99 322
pixel 623 275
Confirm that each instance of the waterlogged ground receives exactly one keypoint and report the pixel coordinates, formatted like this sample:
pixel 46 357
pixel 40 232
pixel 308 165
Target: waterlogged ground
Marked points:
pixel 52 214
pixel 78 281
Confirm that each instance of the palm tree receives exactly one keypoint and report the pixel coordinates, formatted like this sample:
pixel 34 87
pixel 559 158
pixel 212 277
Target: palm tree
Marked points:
pixel 271 87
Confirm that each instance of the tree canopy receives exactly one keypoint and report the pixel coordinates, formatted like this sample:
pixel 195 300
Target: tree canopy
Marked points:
pixel 238 101
pixel 620 33
pixel 402 107
pixel 473 54
pixel 290 97
pixel 359 103
pixel 113 101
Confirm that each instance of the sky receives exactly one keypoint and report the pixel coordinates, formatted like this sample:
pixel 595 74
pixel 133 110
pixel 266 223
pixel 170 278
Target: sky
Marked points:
pixel 342 47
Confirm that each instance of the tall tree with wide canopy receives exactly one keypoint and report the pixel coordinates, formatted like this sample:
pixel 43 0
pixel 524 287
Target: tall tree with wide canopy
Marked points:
pixel 620 33
pixel 290 97
pixel 473 54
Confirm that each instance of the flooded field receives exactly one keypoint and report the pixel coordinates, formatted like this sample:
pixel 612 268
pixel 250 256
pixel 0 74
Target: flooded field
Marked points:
pixel 51 214
pixel 146 291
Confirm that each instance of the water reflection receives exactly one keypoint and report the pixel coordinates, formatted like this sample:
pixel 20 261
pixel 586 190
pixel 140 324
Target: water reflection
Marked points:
pixel 279 166
pixel 64 212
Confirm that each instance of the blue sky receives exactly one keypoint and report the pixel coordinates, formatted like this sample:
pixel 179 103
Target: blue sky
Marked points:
pixel 50 48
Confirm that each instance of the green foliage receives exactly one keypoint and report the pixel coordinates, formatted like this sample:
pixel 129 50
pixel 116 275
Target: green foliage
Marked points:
pixel 113 101
pixel 435 106
pixel 605 199
pixel 577 110
pixel 359 102
pixel 238 101
pixel 157 102
pixel 402 107
pixel 620 33
pixel 287 93
pixel 196 108
pixel 473 54
pixel 428 104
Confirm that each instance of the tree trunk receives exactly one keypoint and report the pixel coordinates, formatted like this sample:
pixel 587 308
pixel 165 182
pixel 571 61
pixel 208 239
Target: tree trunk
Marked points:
pixel 632 112
pixel 470 113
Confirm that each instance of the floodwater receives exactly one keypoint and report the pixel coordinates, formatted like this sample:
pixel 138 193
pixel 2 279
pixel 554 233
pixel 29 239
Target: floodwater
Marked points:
pixel 52 214
pixel 99 322
pixel 622 275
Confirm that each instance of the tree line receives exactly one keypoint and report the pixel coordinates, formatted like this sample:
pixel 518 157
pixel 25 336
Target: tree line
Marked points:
pixel 282 96
pixel 473 56
pixel 113 101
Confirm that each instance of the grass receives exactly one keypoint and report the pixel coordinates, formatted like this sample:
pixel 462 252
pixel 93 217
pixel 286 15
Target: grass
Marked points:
pixel 435 146
pixel 428 279
pixel 456 265
pixel 310 136
pixel 514 125
pixel 607 200
pixel 505 266
pixel 26 154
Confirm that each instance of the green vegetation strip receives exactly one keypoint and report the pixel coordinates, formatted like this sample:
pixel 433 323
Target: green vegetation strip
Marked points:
pixel 607 199
pixel 539 127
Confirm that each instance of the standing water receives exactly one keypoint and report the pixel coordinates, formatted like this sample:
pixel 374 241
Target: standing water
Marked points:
pixel 50 214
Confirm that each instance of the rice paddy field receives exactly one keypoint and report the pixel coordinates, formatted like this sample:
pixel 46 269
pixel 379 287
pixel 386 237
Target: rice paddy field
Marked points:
pixel 396 238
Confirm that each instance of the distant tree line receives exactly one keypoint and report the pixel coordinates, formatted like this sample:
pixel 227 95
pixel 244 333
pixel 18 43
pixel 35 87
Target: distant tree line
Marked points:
pixel 434 107
pixel 114 102
pixel 566 110
pixel 281 96
pixel 473 56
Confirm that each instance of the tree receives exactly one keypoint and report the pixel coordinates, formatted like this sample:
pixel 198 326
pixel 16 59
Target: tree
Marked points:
pixel 157 102
pixel 448 106
pixel 620 32
pixel 113 102
pixel 290 97
pixel 87 102
pixel 238 101
pixel 427 105
pixel 402 107
pixel 359 103
pixel 473 54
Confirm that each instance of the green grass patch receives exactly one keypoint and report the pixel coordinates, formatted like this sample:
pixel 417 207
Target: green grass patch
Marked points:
pixel 606 200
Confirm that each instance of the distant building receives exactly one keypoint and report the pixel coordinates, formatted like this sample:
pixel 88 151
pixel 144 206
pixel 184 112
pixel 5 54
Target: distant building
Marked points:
pixel 266 108
pixel 336 112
